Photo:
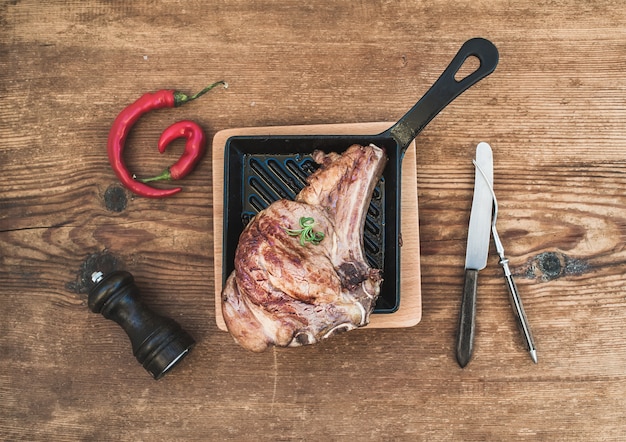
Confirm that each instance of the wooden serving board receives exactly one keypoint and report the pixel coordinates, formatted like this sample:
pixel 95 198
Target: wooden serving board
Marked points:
pixel 409 312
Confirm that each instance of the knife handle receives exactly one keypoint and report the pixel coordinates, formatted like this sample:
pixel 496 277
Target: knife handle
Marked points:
pixel 467 318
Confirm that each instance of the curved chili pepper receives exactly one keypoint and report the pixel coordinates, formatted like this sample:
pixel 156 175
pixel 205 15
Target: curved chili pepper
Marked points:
pixel 194 149
pixel 124 122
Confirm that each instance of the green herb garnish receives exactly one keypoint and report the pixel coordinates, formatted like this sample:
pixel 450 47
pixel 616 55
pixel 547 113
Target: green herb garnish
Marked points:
pixel 306 233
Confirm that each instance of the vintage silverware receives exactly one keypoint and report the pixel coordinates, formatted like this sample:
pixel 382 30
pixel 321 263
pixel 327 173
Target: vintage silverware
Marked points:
pixel 476 252
pixel 514 297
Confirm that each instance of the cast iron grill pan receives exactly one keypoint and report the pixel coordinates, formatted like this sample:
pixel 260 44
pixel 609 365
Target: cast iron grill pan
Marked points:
pixel 259 170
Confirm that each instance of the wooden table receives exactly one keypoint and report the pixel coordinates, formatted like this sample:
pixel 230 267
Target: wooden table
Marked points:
pixel 553 111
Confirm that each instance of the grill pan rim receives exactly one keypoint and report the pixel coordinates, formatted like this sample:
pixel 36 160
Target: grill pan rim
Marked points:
pixel 389 300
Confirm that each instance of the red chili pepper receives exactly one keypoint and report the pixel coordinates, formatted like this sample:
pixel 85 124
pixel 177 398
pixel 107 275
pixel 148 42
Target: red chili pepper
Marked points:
pixel 125 121
pixel 194 149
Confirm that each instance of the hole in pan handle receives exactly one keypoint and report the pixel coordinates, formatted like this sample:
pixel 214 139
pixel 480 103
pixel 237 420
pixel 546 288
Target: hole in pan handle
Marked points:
pixel 445 89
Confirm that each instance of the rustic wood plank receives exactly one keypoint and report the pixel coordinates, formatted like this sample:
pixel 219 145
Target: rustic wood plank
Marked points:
pixel 553 112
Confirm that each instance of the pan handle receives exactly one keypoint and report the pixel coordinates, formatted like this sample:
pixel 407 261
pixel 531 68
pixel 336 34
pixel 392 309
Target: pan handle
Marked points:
pixel 445 89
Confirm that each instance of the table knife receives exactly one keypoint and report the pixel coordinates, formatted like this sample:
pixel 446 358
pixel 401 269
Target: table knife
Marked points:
pixel 476 253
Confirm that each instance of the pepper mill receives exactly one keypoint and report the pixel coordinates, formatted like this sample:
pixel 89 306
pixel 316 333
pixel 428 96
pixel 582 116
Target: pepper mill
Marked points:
pixel 158 343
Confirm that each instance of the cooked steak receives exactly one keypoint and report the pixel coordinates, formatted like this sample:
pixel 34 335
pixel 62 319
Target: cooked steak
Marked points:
pixel 290 287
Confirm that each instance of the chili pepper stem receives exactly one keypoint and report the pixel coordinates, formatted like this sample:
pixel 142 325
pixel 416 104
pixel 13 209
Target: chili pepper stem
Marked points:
pixel 163 176
pixel 181 98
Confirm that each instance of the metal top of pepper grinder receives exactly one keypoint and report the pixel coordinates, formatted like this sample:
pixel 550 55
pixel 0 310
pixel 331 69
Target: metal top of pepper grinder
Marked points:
pixel 159 343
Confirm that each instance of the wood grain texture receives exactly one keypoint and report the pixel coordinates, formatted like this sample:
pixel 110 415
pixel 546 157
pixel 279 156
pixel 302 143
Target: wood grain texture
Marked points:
pixel 553 111
pixel 409 311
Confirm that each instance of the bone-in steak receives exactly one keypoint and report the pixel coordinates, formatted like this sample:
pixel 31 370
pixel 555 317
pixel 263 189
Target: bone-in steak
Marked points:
pixel 288 292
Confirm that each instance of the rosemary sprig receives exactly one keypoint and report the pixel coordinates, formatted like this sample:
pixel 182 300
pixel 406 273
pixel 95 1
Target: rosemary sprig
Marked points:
pixel 306 233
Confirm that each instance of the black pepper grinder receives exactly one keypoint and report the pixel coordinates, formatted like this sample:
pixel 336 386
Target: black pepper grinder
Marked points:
pixel 159 343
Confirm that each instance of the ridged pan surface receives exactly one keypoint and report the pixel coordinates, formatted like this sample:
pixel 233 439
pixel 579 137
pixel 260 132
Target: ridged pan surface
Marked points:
pixel 272 177
pixel 262 170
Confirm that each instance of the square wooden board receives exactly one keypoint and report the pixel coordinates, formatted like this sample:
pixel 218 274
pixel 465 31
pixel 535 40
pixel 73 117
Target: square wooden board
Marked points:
pixel 409 312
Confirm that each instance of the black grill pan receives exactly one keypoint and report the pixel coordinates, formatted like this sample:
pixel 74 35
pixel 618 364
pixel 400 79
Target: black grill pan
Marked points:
pixel 259 170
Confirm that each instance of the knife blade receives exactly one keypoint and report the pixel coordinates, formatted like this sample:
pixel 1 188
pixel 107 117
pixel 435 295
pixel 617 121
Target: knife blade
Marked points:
pixel 476 253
